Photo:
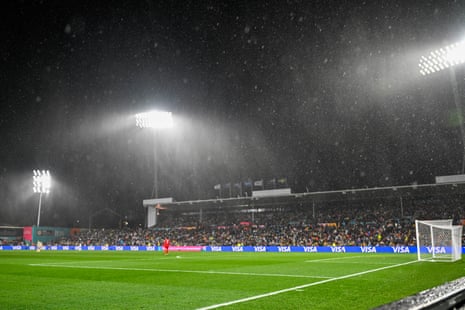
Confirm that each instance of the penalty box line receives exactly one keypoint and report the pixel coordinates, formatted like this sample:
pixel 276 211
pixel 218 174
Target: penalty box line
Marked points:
pixel 181 271
pixel 303 286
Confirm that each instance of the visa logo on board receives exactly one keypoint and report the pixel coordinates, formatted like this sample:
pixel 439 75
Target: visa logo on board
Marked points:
pixel 436 249
pixel 368 249
pixel 310 249
pixel 400 249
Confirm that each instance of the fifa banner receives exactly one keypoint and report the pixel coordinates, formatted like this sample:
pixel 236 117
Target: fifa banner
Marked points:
pixel 274 249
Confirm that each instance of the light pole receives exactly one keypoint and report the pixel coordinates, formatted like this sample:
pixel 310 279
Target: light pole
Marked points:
pixel 41 182
pixel 447 58
pixel 156 120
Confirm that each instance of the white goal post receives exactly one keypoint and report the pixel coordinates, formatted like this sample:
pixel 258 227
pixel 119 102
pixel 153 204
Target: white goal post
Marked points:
pixel 438 240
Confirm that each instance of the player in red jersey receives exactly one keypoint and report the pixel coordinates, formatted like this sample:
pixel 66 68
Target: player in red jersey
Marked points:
pixel 166 245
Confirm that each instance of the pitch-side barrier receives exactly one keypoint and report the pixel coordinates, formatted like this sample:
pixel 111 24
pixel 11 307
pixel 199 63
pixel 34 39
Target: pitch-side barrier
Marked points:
pixel 289 249
pixel 450 295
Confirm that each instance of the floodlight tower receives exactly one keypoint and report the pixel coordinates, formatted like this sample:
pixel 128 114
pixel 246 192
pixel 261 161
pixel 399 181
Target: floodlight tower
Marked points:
pixel 41 182
pixel 444 58
pixel 157 120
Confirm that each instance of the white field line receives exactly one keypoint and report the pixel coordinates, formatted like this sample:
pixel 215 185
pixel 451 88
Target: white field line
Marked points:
pixel 302 286
pixel 332 258
pixel 337 260
pixel 182 271
pixel 358 263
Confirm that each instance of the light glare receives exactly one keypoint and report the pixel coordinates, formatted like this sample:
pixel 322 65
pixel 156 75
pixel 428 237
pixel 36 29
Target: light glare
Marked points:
pixel 443 58
pixel 41 181
pixel 154 119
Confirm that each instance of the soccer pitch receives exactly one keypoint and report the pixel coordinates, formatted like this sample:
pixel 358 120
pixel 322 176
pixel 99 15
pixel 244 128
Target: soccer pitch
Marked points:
pixel 210 280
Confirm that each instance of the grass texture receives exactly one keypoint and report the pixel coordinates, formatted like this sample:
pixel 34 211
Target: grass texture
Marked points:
pixel 211 280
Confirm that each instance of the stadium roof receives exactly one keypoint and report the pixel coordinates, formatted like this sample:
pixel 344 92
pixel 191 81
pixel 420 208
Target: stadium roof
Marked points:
pixel 306 198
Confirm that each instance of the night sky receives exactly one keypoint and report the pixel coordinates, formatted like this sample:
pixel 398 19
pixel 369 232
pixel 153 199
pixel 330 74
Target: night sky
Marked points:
pixel 324 93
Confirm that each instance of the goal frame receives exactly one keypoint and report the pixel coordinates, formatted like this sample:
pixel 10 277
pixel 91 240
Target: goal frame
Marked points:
pixel 438 240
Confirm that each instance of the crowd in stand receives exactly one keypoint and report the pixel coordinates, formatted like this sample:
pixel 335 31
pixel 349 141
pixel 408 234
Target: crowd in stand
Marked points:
pixel 359 225
pixel 330 224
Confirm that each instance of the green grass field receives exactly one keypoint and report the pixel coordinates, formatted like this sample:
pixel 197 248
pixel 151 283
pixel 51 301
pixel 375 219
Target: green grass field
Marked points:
pixel 207 280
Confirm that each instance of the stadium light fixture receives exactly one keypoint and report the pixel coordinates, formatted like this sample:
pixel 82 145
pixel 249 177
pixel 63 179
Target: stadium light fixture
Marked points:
pixel 157 120
pixel 41 183
pixel 443 58
pixel 154 119
pixel 447 58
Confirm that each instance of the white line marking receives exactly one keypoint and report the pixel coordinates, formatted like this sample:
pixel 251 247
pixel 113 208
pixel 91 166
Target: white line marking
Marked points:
pixel 184 271
pixel 302 286
pixel 332 258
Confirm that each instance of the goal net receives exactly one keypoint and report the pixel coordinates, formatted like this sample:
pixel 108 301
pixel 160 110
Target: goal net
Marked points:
pixel 438 240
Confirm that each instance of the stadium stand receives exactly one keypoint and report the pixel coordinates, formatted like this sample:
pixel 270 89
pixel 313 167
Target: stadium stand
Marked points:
pixel 373 222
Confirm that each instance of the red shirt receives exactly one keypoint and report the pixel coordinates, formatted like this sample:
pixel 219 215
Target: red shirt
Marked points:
pixel 166 243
